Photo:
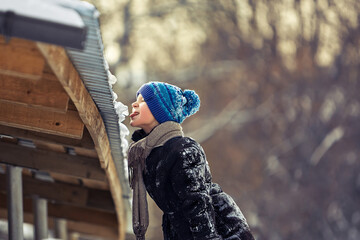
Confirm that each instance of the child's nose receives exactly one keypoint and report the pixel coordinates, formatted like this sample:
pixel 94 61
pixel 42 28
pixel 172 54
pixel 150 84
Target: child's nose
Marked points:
pixel 134 104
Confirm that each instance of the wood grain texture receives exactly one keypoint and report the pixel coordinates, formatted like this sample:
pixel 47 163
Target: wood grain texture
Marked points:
pixel 21 58
pixel 72 226
pixel 66 124
pixel 70 194
pixel 49 146
pixel 78 166
pixel 62 67
pixel 36 93
pixel 74 213
pixel 85 142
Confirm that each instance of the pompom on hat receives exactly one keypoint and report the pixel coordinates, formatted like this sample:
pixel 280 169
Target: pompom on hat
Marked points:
pixel 168 102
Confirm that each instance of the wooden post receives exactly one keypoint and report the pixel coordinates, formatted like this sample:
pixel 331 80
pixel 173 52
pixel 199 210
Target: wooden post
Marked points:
pixel 75 236
pixel 60 228
pixel 15 202
pixel 40 218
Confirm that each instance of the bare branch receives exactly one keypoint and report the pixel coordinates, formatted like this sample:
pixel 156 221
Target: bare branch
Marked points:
pixel 230 114
pixel 335 135
pixel 214 71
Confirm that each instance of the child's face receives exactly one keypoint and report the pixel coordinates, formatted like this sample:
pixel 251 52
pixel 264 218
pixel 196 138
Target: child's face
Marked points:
pixel 141 115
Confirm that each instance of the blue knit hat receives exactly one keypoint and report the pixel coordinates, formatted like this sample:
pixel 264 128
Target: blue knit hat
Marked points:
pixel 168 102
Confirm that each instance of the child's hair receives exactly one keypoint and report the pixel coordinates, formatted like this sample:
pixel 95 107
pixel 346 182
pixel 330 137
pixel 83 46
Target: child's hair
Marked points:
pixel 168 102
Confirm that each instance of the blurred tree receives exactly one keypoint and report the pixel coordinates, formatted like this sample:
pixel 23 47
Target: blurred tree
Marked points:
pixel 279 86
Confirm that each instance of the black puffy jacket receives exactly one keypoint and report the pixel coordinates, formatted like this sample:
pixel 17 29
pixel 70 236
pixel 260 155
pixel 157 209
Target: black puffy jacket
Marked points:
pixel 178 178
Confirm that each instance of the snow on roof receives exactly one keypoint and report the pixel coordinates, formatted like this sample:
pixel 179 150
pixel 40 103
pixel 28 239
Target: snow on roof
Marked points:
pixel 43 10
pixel 42 20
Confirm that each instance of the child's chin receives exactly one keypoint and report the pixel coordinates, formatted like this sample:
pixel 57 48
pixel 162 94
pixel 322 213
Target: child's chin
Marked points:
pixel 132 123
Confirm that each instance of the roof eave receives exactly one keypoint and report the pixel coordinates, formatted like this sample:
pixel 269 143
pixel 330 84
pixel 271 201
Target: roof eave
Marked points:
pixel 14 25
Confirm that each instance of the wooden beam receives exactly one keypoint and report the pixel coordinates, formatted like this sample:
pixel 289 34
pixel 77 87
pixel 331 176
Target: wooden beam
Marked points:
pixel 36 93
pixel 48 74
pixel 92 230
pixel 62 67
pixel 50 146
pixel 85 142
pixel 86 152
pixel 63 124
pixel 73 213
pixel 64 193
pixel 100 199
pixel 61 193
pixel 86 182
pixel 81 214
pixel 78 166
pixel 73 226
pixel 64 70
pixel 20 58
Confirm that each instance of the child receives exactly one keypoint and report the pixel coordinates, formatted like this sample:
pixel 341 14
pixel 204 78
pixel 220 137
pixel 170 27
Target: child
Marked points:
pixel 175 172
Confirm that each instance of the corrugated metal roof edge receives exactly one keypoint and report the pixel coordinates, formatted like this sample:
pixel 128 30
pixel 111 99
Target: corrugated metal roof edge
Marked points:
pixel 116 130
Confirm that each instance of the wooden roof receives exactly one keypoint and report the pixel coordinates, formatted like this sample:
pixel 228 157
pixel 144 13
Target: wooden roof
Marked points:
pixel 50 123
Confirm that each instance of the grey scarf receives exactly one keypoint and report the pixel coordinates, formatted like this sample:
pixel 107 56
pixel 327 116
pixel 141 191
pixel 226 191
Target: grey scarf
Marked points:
pixel 138 152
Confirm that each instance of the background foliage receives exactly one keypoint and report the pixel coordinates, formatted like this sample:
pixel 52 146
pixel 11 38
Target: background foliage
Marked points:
pixel 279 84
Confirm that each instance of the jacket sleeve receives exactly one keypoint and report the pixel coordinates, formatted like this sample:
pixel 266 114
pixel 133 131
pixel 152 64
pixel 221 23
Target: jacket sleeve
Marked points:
pixel 191 181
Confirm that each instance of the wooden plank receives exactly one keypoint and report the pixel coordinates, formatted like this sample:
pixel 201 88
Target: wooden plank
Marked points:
pixel 86 152
pixel 63 124
pixel 71 106
pixel 100 199
pixel 64 193
pixel 92 230
pixel 73 226
pixel 73 213
pixel 85 142
pixel 49 146
pixel 48 74
pixel 20 58
pixel 78 166
pixel 37 93
pixel 114 184
pixel 81 214
pixel 86 182
pixel 68 76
